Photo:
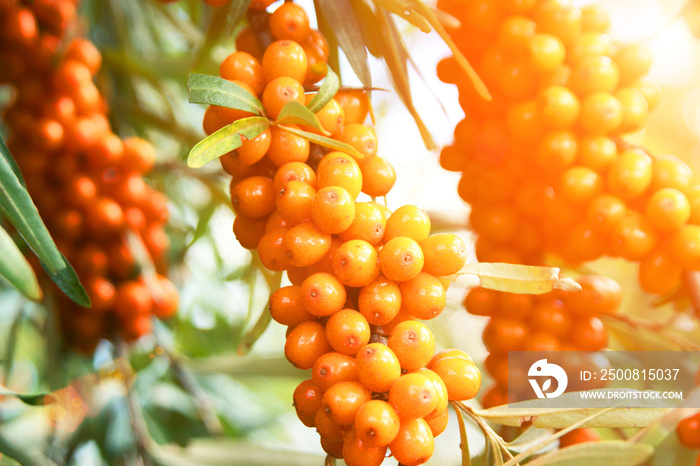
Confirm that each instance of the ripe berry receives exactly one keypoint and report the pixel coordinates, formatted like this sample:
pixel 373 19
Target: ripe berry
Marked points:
pixel 356 263
pixel 377 367
pixel 347 331
pixel 401 259
pixel 377 423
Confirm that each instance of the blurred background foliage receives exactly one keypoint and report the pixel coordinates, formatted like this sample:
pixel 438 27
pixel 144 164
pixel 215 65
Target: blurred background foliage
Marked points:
pixel 190 394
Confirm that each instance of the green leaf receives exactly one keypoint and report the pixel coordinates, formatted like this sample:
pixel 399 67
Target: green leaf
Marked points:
pixel 235 13
pixel 208 89
pixel 328 89
pixel 516 278
pixel 614 452
pixel 35 399
pixel 15 268
pixel 342 19
pixel 17 206
pixel 325 142
pixel 298 114
pixel 5 152
pixel 225 140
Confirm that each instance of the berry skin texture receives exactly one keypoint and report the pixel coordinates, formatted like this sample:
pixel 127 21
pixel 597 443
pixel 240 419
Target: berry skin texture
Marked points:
pixel 631 174
pixel 286 306
pixel 347 331
pixel 339 169
pixel 280 91
pixel 377 423
pixel 688 431
pixel 413 396
pixel 413 343
pixel 253 197
pixel 241 66
pixel 307 401
pixel 356 263
pixel 380 301
pixel 343 400
pixel 332 368
pixel 333 209
pixel 401 259
pixel 357 452
pixel 599 295
pixel 322 294
pixel 423 296
pixel 481 302
pixel 294 202
pixel 369 224
pixel 305 344
pixel 289 21
pixel 305 245
pixel 668 209
pixel 461 376
pixel 286 147
pixel 408 221
pixel 414 444
pixel 378 177
pixel 444 254
pixel 284 59
pixel 504 334
pixel 271 249
pixel 377 367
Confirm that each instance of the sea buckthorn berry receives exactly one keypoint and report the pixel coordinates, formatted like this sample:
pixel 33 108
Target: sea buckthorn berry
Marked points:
pixel 595 73
pixel 604 212
pixel 361 137
pixel 286 306
pixel 631 174
pixel 343 400
pixel 335 449
pixel 558 107
pixel 377 367
pixel 241 66
pixel 668 209
pixel 409 221
pixel 132 298
pixel 274 221
pixel 580 184
pixel 357 452
pixel 414 444
pixel 322 294
pixel 253 197
pixel 339 169
pixel 378 177
pixel 305 245
pixel 294 171
pixel 684 245
pixel 413 344
pixel 494 396
pixel 635 110
pixel 589 43
pixel 556 150
pixel 671 172
pixel 355 105
pixel 327 428
pixel 444 254
pixel 279 92
pixel 599 295
pixel 333 209
pixel 332 368
pixel 347 331
pixel 596 152
pixel 578 436
pixel 542 341
pixel 524 125
pixel 107 216
pixel 223 116
pixel 305 344
pixel 601 113
pixel 271 249
pixel 423 296
pixel 688 431
pixel 659 272
pixel 368 225
pixel 481 302
pixel 588 334
pixel 546 52
pixel 356 263
pixel 260 5
pixel 634 61
pixel 307 401
pixel 377 423
pixel 249 231
pixel 504 334
pixel 380 301
pixel 286 147
pixel 594 17
pixel 284 59
pixel 551 317
pixel 650 90
pixel 294 202
pixel 331 116
pixel 440 392
pixel 401 259
pixel 325 264
pixel 413 396
pixel 514 32
pixel 317 52
pixel 438 423
pixel 253 150
pixel 633 237
pixel 289 21
pixel 461 376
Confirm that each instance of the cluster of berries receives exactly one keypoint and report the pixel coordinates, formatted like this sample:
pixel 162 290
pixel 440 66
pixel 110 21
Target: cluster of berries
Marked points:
pixel 86 181
pixel 361 276
pixel 556 321
pixel 544 166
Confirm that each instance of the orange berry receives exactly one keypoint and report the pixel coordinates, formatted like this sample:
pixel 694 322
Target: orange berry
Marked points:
pixel 579 185
pixel 377 367
pixel 305 245
pixel 596 152
pixel 685 245
pixel 286 306
pixel 331 116
pixel 659 272
pixel 413 396
pixel 294 202
pixel 378 177
pixel 356 263
pixel 589 334
pixel 550 316
pixel 294 171
pixel 601 113
pixel 327 428
pixel 494 396
pixel 635 110
pixel 355 105
pixel 461 376
pixel 595 73
pixel 414 444
pixel 253 197
pixel 578 436
pixel 633 237
pixel 558 107
pixel 280 91
pixel 481 302
pixel 271 250
pixel 688 431
pixel 413 344
pixel 343 400
pixel 595 17
pixel 556 150
pixel 668 209
pixel 634 61
pixel 332 368
pixel 671 172
pixel 253 150
pixel 504 334
pixel 357 452
pixel 241 66
pixel 289 21
pixel 347 331
pixel 423 296
pixel 307 401
pixel 339 169
pixel 444 254
pixel 409 221
pixel 604 212
pixel 286 147
pixel 132 298
pixel 438 424
pixel 284 59
pixel 650 90
pixel 401 259
pixel 630 175
pixel 377 423
pixel 380 301
pixel 249 231
pixel 361 137
pixel 333 209
pixel 322 294
pixel 368 225
pixel 589 43
pixel 305 344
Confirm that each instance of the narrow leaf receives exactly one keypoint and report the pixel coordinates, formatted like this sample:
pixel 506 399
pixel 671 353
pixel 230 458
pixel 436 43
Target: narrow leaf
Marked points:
pixel 255 332
pixel 516 278
pixel 432 18
pixel 225 140
pixel 405 12
pixel 298 114
pixel 35 399
pixel 235 13
pixel 614 452
pixel 325 142
pixel 327 30
pixel 341 17
pixel 5 153
pixel 328 89
pixel 371 30
pixel 17 206
pixel 15 268
pixel 208 89
pixel 464 443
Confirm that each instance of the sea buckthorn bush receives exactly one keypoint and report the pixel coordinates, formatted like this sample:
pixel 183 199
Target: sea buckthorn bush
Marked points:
pixel 362 277
pixel 87 182
pixel 545 164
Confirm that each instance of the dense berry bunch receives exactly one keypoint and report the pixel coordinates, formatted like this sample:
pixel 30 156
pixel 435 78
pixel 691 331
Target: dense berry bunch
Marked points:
pixel 86 182
pixel 362 277
pixel 544 166
pixel 555 321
